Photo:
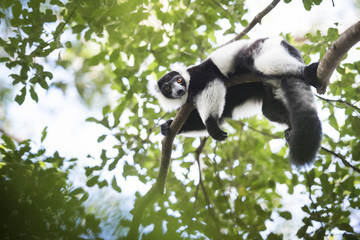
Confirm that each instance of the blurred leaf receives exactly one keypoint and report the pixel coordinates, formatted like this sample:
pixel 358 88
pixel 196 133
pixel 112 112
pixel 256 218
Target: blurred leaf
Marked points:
pixel 114 185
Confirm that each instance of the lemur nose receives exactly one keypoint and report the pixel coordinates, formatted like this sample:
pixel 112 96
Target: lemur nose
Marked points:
pixel 181 92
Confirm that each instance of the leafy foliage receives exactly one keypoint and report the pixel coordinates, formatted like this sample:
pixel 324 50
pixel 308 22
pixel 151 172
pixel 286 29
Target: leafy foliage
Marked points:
pixel 36 200
pixel 123 44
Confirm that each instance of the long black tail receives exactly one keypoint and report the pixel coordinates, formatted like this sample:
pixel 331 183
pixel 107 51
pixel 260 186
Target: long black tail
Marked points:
pixel 305 126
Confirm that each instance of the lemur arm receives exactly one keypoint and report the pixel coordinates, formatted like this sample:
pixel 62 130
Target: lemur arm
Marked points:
pixel 192 124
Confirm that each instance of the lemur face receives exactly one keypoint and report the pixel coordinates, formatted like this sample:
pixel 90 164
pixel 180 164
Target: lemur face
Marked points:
pixel 172 85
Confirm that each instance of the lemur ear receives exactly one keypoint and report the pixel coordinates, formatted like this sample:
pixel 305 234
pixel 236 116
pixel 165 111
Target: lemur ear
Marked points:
pixel 182 69
pixel 153 87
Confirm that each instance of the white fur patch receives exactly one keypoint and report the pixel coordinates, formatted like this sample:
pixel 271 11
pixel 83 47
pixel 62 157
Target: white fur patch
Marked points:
pixel 246 110
pixel 274 59
pixel 223 57
pixel 168 104
pixel 199 133
pixel 211 101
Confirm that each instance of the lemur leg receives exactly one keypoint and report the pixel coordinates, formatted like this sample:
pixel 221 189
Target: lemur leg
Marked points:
pixel 275 109
pixel 210 104
pixel 279 60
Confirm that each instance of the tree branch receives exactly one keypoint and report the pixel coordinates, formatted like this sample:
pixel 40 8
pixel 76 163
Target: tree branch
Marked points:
pixel 335 53
pixel 339 101
pixel 345 162
pixel 257 19
pixel 158 187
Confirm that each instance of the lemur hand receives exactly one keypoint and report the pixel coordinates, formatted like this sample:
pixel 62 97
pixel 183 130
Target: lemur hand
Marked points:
pixel 165 128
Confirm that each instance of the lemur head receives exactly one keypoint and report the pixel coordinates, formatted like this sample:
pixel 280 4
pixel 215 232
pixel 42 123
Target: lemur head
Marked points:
pixel 172 85
pixel 172 88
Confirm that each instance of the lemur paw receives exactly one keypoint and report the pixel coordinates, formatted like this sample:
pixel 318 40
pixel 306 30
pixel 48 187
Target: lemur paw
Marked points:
pixel 165 128
pixel 218 135
pixel 214 130
pixel 310 75
pixel 287 134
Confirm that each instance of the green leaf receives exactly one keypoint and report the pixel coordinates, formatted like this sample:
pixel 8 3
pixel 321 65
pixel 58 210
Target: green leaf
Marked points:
pixel 333 122
pixel 287 215
pixel 4 59
pixel 43 134
pixel 114 185
pixel 57 2
pixel 16 9
pixel 355 122
pixel 9 143
pixel 345 227
pixel 101 138
pixel 95 60
pixel 33 94
pixel 129 170
pixel 113 164
pixel 348 236
pixel 21 97
pixel 77 191
pixel 92 181
pixel 302 231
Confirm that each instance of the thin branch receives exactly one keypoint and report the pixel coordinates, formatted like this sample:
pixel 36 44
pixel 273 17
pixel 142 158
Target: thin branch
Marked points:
pixel 340 101
pixel 227 199
pixel 3 131
pixel 335 53
pixel 257 19
pixel 261 132
pixel 56 34
pixel 201 183
pixel 315 205
pixel 345 162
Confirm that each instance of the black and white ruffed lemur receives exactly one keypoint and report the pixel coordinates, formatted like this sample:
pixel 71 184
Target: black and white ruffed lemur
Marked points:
pixel 284 96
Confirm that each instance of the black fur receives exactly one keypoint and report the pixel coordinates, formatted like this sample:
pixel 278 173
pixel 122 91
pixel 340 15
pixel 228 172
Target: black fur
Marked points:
pixel 202 74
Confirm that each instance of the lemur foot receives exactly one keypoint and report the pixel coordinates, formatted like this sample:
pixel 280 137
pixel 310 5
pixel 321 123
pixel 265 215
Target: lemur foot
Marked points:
pixel 287 134
pixel 214 130
pixel 310 75
pixel 165 128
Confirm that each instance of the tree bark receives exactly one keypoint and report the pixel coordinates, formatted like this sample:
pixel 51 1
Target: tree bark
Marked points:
pixel 335 53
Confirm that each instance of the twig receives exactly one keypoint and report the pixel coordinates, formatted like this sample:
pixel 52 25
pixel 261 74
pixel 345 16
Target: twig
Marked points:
pixel 310 197
pixel 340 101
pixel 261 132
pixel 227 200
pixel 257 19
pixel 345 162
pixel 335 53
pixel 56 34
pixel 2 131
pixel 207 199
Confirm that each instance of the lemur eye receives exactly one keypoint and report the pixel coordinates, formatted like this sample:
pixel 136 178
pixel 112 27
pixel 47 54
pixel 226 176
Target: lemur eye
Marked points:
pixel 179 80
pixel 167 88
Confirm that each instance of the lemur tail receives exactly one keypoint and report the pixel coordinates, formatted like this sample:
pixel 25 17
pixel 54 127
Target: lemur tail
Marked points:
pixel 304 121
